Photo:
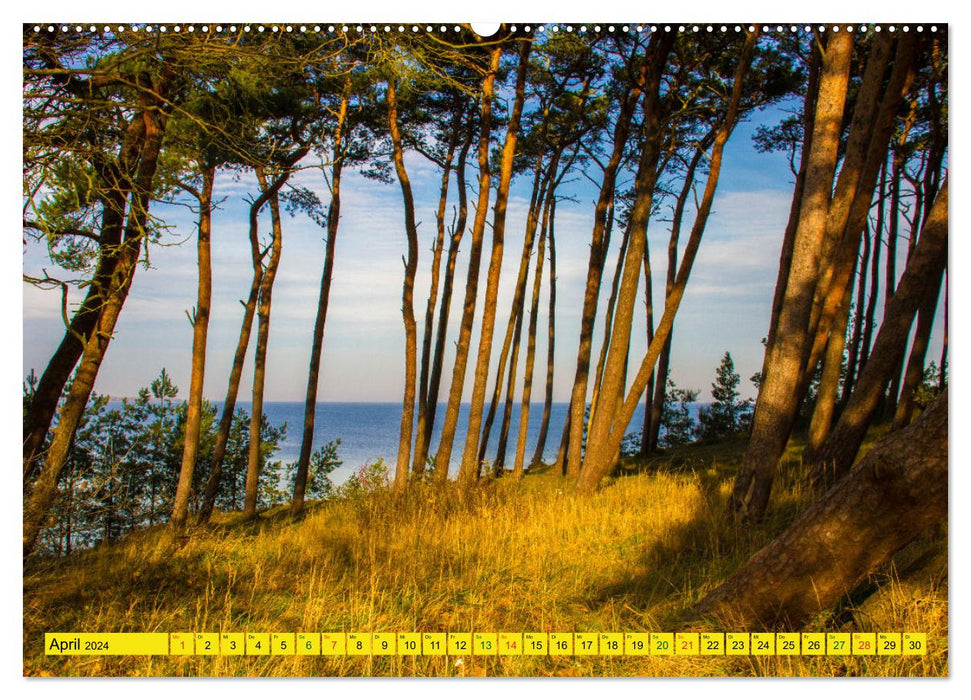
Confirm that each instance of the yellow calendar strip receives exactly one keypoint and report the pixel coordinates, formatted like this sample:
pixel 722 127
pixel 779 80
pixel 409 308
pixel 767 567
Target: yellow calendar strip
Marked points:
pixel 487 644
pixel 110 643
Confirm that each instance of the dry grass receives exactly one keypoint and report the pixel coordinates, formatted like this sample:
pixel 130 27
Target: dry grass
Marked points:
pixel 509 556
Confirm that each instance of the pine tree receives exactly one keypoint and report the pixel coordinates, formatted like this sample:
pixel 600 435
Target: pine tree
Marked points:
pixel 727 414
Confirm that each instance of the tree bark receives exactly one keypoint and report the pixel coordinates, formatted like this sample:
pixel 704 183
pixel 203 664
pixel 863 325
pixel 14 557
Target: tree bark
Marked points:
pixel 323 301
pixel 664 361
pixel 854 352
pixel 550 334
pixel 259 358
pixel 249 312
pixel 898 490
pixel 421 446
pixel 469 470
pixel 200 330
pixel 435 377
pixel 407 297
pixel 776 408
pixel 570 454
pixel 603 444
pixel 519 464
pixel 924 269
pixel 44 490
pixel 443 456
pixel 514 323
pixel 914 375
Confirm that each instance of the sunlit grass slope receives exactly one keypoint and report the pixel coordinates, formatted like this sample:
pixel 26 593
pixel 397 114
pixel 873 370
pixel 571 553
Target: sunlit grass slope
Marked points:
pixel 510 556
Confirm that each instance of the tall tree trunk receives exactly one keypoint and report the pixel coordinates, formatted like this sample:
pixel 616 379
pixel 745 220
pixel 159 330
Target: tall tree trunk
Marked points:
pixel 550 333
pixel 825 408
pixel 515 322
pixel 38 504
pixel 249 312
pixel 254 462
pixel 407 297
pixel 647 428
pixel 914 375
pixel 469 470
pixel 795 208
pixel 898 490
pixel 443 456
pixel 942 381
pixel 869 320
pixel 603 445
pixel 519 464
pixel 775 407
pixel 854 352
pixel 421 446
pixel 50 386
pixel 608 322
pixel 435 377
pixel 664 361
pixel 570 454
pixel 924 269
pixel 323 301
pixel 600 453
pixel 200 330
pixel 848 212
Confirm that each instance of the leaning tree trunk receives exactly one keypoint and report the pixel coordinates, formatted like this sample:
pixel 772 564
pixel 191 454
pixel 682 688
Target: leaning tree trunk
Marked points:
pixel 407 297
pixel 423 442
pixel 853 355
pixel 519 464
pixel 605 439
pixel 443 457
pixel 469 469
pixel 514 323
pixel 570 454
pixel 775 408
pixel 323 301
pixel 544 425
pixel 200 330
pixel 424 402
pixel 44 490
pixel 918 352
pixel 245 330
pixel 600 452
pixel 259 358
pixel 897 491
pixel 924 269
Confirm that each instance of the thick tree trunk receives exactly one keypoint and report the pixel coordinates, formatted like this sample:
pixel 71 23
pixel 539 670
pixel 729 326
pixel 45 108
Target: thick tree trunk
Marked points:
pixel 407 297
pixel 825 408
pixel 600 453
pixel 469 470
pixel 320 320
pixel 776 408
pixel 898 490
pixel 570 454
pixel 50 387
pixel 603 444
pixel 200 330
pixel 924 269
pixel 242 345
pixel 443 456
pixel 44 490
pixel 254 462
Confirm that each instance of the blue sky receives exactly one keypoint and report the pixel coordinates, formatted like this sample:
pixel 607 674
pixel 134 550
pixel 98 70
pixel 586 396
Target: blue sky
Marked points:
pixel 726 306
